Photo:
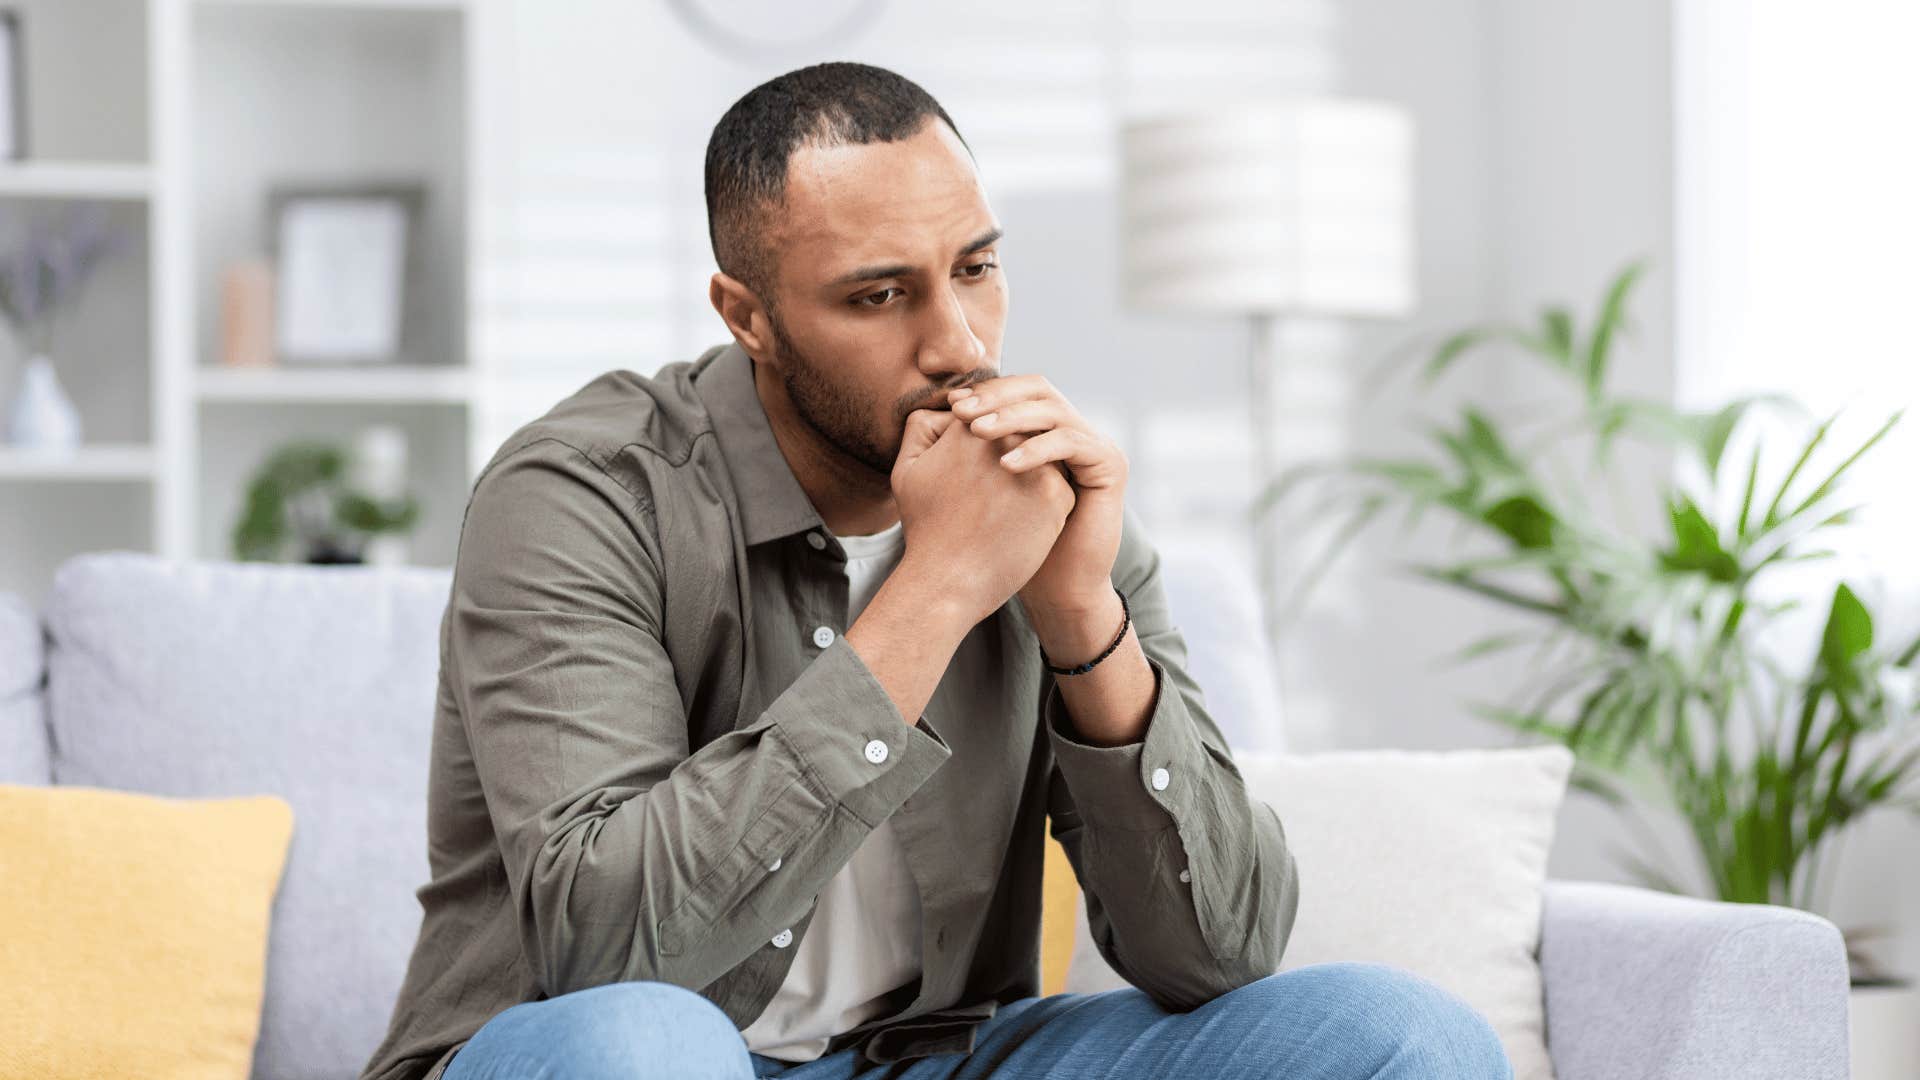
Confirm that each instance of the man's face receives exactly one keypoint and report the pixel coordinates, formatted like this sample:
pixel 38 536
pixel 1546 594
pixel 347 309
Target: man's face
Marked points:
pixel 888 287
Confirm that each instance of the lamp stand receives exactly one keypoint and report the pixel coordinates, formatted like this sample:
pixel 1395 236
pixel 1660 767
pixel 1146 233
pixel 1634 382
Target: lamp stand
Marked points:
pixel 1261 358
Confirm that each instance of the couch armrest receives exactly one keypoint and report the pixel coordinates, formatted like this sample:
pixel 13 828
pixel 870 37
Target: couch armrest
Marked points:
pixel 1648 984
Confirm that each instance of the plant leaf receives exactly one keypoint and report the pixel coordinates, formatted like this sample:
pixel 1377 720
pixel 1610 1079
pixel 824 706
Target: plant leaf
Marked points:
pixel 1457 345
pixel 1848 634
pixel 1607 326
pixel 1826 486
pixel 1696 545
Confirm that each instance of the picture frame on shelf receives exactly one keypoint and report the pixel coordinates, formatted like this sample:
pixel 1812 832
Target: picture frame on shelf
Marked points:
pixel 345 260
pixel 13 89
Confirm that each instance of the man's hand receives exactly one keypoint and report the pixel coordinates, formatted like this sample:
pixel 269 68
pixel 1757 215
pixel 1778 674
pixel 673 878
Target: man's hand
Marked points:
pixel 974 528
pixel 1070 598
pixel 1076 577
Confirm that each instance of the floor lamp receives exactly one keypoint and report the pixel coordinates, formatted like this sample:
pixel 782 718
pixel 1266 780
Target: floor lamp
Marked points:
pixel 1262 210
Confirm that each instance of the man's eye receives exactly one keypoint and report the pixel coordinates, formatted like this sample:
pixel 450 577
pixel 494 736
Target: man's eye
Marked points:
pixel 881 298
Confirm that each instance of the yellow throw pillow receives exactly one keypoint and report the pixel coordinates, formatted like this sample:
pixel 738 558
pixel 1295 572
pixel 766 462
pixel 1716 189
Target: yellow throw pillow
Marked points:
pixel 1059 908
pixel 133 931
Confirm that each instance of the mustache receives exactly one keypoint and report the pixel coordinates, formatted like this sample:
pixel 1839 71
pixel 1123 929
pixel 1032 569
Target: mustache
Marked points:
pixel 937 400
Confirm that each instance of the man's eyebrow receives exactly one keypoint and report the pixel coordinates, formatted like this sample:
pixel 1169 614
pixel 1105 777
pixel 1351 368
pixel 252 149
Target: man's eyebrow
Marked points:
pixel 875 273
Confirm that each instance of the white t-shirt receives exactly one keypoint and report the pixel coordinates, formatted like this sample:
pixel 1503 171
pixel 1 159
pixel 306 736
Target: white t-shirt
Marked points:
pixel 864 938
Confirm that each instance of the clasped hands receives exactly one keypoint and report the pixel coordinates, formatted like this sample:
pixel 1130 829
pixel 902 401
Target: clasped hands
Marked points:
pixel 1033 426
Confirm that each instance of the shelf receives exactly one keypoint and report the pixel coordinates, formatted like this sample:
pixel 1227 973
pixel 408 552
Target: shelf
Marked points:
pixel 398 384
pixel 92 461
pixel 326 5
pixel 74 180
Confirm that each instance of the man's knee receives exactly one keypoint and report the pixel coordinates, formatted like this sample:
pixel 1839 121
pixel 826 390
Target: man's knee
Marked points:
pixel 629 1030
pixel 1402 1024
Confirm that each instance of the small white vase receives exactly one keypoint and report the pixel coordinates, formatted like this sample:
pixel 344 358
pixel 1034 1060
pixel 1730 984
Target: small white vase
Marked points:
pixel 387 549
pixel 41 415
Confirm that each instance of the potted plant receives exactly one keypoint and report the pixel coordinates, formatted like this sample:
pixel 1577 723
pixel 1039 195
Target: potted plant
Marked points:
pixel 302 505
pixel 1652 650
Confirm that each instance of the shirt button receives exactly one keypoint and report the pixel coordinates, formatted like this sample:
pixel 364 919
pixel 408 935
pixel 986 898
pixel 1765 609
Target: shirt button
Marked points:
pixel 876 751
pixel 1160 779
pixel 774 865
pixel 823 636
pixel 1186 875
pixel 783 939
pixel 819 542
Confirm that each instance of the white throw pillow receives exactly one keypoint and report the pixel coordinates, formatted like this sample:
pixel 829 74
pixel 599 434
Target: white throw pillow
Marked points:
pixel 1431 861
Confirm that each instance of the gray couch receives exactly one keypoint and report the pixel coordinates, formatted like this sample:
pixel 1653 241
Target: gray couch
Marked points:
pixel 317 683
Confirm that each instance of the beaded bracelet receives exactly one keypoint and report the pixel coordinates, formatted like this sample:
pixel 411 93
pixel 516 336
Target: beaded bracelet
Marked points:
pixel 1126 617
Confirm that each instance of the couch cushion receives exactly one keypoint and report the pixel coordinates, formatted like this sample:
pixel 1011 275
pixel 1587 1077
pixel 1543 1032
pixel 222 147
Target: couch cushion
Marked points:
pixel 1430 860
pixel 23 718
pixel 1214 601
pixel 314 683
pixel 149 920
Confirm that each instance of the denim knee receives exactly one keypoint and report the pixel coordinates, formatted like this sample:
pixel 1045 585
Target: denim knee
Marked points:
pixel 1415 1028
pixel 628 1030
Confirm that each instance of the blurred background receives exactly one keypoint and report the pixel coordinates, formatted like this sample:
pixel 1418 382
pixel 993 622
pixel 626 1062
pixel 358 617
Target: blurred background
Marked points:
pixel 279 275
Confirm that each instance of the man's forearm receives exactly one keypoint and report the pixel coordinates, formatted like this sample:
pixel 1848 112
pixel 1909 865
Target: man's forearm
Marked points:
pixel 1109 705
pixel 907 635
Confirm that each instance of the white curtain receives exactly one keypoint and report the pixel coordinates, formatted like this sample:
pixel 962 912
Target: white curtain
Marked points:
pixel 1797 228
pixel 1798 237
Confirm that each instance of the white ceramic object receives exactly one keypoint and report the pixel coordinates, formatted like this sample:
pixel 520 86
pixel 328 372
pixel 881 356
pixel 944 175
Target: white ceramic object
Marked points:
pixel 387 549
pixel 41 415
pixel 1884 1024
pixel 379 470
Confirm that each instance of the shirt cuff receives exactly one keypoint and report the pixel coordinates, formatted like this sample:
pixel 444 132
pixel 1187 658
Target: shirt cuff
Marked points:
pixel 1141 786
pixel 851 738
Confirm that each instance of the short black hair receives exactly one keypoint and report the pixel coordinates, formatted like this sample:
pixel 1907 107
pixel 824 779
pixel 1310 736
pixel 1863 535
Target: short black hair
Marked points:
pixel 838 103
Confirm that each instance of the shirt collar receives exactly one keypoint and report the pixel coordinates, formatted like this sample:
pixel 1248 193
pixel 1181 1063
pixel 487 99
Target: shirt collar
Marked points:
pixel 772 502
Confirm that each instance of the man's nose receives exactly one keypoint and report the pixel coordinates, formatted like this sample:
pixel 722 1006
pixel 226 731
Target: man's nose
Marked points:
pixel 950 346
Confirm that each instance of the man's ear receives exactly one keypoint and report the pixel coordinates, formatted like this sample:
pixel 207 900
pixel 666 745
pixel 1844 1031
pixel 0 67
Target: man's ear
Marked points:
pixel 741 310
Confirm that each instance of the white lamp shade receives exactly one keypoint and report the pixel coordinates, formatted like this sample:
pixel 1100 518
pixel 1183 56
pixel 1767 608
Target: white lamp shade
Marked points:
pixel 1301 206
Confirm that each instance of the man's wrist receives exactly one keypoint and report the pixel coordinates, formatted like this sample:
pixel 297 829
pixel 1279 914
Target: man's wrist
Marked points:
pixel 1075 633
pixel 945 611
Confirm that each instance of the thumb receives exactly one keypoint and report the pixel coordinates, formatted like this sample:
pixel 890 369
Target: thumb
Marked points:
pixel 924 428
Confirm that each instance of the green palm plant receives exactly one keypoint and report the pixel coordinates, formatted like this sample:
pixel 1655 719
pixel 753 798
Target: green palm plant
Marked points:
pixel 1651 647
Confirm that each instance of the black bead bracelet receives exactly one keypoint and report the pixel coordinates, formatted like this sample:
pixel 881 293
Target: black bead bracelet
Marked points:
pixel 1126 617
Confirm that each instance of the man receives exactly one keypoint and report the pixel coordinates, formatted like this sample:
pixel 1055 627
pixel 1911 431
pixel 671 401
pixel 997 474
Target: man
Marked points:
pixel 762 678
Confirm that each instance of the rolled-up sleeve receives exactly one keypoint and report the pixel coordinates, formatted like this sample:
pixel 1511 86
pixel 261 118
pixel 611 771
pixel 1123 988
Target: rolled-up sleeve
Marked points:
pixel 1190 887
pixel 628 856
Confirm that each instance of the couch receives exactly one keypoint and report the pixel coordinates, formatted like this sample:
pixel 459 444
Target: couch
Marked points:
pixel 316 683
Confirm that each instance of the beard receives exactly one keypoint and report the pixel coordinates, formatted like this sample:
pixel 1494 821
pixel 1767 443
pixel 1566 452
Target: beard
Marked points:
pixel 838 414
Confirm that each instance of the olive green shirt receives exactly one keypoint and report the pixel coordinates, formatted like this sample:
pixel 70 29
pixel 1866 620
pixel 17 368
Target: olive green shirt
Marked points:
pixel 653 746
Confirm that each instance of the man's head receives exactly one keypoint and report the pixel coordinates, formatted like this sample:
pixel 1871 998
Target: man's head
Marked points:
pixel 858 255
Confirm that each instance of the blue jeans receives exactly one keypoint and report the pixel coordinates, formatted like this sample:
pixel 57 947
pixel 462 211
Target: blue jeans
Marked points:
pixel 1333 1021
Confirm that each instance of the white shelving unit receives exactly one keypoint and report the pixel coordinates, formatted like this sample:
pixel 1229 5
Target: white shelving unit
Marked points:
pixel 74 180
pixel 403 384
pixel 180 115
pixel 97 461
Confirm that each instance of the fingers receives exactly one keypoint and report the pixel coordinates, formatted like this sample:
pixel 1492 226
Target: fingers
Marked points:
pixel 1043 428
pixel 993 393
pixel 1031 415
pixel 924 428
pixel 1056 445
pixel 1091 461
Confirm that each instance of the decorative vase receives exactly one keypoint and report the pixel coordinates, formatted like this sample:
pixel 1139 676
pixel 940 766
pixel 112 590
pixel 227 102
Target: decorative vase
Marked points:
pixel 42 416
pixel 379 471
